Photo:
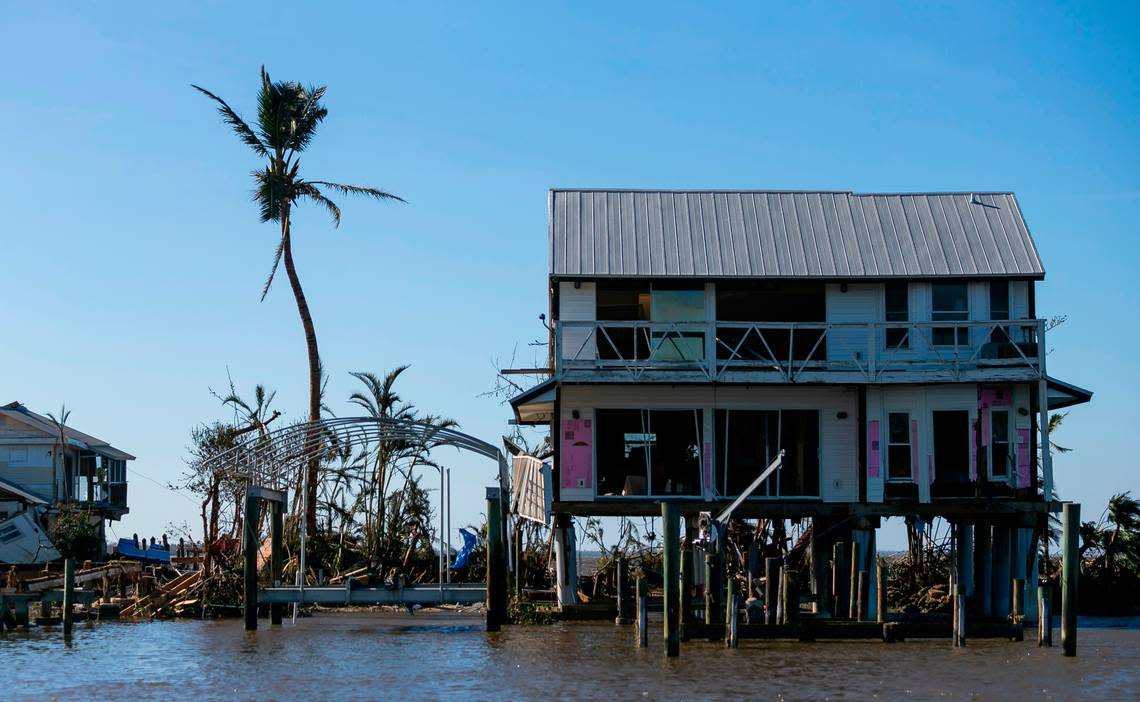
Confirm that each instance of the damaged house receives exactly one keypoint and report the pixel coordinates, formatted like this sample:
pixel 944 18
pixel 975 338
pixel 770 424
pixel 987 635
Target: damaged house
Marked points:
pixel 40 469
pixel 889 344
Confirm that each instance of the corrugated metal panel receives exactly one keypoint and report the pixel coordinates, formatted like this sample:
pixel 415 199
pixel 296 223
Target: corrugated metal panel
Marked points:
pixel 726 234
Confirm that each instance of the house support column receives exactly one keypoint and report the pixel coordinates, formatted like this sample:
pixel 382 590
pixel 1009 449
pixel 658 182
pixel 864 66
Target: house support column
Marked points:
pixel 983 569
pixel 276 556
pixel 249 549
pixel 565 563
pixel 496 562
pixel 1070 571
pixel 1001 571
pixel 670 530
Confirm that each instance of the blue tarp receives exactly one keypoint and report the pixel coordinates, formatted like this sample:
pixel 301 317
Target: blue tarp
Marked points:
pixel 127 549
pixel 469 541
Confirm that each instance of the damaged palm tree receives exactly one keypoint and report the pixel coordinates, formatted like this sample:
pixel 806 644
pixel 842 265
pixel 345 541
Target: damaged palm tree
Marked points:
pixel 288 114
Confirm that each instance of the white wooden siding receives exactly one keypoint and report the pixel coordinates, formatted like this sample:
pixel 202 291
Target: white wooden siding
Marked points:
pixel 577 304
pixel 861 303
pixel 839 438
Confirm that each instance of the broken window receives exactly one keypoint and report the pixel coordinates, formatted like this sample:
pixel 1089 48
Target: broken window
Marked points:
pixel 622 303
pixel 770 302
pixel 949 302
pixel 648 452
pixel 675 337
pixel 898 446
pixel 999 308
pixel 1001 457
pixel 897 301
pixel 748 440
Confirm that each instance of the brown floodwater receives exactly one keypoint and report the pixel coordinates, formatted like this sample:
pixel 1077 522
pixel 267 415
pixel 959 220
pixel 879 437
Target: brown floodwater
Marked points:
pixel 437 656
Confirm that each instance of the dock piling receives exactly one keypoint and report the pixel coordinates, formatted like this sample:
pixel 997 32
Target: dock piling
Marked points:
pixel 880 590
pixel 249 548
pixel 853 588
pixel 496 563
pixel 771 589
pixel 276 556
pixel 861 601
pixel 624 600
pixel 1071 523
pixel 671 536
pixel 732 604
pixel 68 595
pixel 1044 614
pixel 642 612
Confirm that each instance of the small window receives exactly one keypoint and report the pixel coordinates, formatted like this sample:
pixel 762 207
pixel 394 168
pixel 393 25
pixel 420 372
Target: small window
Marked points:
pixel 999 308
pixel 898 446
pixel 949 302
pixel 898 310
pixel 1001 455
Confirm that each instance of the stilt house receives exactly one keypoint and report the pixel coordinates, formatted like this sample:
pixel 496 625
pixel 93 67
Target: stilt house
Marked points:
pixel 889 344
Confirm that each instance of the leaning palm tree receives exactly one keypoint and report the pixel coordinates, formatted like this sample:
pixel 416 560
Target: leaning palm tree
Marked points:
pixel 287 118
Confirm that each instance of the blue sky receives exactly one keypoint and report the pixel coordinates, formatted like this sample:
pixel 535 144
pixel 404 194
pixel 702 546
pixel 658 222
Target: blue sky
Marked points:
pixel 133 259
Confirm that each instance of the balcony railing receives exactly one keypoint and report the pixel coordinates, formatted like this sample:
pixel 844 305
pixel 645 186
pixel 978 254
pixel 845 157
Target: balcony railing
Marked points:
pixel 802 351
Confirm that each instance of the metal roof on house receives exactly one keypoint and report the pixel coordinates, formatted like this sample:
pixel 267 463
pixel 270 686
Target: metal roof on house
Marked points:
pixel 76 438
pixel 781 234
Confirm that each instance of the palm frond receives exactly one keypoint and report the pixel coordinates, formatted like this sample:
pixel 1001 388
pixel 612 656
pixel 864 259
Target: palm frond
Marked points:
pixel 311 192
pixel 345 189
pixel 273 270
pixel 232 118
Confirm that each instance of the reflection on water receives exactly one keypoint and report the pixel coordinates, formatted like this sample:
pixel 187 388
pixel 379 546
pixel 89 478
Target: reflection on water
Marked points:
pixel 430 656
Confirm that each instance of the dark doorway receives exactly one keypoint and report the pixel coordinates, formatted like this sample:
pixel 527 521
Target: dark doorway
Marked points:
pixel 951 454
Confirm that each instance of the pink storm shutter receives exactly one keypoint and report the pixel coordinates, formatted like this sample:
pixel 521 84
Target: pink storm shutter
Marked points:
pixel 577 467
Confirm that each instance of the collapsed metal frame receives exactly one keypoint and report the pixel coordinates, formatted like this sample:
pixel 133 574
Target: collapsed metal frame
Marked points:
pixel 276 461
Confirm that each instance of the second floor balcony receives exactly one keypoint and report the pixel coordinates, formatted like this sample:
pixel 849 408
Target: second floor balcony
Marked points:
pixel 803 352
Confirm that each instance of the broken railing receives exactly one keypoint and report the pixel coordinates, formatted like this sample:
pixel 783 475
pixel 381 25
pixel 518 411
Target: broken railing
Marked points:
pixel 801 351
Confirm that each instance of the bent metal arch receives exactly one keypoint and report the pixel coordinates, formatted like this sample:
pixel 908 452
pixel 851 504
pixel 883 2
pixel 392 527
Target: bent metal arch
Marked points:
pixel 275 461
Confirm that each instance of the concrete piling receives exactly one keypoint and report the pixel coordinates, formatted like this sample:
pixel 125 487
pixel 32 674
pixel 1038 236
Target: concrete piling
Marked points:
pixel 1044 614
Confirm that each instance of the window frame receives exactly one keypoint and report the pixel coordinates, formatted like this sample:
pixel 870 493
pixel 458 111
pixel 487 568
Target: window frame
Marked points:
pixel 1011 448
pixel 905 343
pixel 961 333
pixel 887 443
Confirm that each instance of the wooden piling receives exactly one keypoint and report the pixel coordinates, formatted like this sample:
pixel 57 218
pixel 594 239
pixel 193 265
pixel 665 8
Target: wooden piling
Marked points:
pixel 863 587
pixel 839 579
pixel 496 564
pixel 732 603
pixel 771 589
pixel 687 579
pixel 880 590
pixel 791 599
pixel 624 599
pixel 1044 614
pixel 68 594
pixel 852 604
pixel 1071 523
pixel 276 557
pixel 249 548
pixel 642 612
pixel 1017 613
pixel 820 582
pixel 672 545
pixel 710 596
pixel 960 615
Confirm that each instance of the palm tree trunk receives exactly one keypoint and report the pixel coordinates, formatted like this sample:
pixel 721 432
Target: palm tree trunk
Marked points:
pixel 314 366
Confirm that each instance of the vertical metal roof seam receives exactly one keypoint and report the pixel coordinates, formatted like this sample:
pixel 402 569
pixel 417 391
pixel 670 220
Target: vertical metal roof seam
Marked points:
pixel 950 225
pixel 989 228
pixel 921 233
pixel 851 201
pixel 1005 238
pixel 974 222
